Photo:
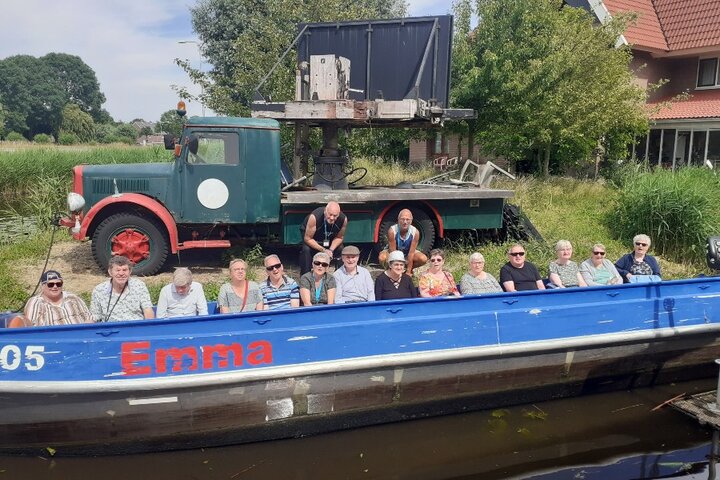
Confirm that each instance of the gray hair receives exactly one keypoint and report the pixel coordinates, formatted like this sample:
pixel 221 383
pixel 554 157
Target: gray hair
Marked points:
pixel 562 244
pixel 120 261
pixel 182 277
pixel 515 245
pixel 237 260
pixel 270 257
pixel 477 257
pixel 321 255
pixel 600 246
pixel 641 238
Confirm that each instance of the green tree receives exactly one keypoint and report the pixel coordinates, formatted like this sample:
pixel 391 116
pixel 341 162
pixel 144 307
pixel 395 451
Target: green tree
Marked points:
pixel 127 132
pixel 2 121
pixel 77 122
pixel 35 91
pixel 242 39
pixel 170 122
pixel 546 78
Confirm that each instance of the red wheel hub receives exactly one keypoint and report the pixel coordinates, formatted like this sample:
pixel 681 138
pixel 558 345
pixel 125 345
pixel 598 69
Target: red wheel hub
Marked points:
pixel 132 244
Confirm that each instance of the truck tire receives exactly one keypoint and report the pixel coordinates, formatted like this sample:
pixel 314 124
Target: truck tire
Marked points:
pixel 140 239
pixel 421 221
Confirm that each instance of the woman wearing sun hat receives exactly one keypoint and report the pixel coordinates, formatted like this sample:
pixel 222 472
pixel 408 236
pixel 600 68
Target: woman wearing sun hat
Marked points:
pixel 393 283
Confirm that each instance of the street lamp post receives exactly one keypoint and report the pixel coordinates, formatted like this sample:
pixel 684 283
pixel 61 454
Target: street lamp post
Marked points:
pixel 200 59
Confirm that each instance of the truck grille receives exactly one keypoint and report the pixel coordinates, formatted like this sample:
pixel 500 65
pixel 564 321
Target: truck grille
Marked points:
pixel 106 186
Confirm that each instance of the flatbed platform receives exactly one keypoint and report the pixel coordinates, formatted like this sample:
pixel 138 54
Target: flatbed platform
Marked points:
pixel 362 195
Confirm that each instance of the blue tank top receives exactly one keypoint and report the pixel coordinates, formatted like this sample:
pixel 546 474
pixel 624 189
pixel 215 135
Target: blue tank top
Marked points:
pixel 404 245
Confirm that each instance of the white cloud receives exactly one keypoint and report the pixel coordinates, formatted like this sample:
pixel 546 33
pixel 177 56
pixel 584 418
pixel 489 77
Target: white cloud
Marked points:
pixel 130 44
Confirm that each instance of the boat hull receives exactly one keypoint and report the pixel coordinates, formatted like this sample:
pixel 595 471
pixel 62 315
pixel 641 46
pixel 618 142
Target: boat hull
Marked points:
pixel 280 400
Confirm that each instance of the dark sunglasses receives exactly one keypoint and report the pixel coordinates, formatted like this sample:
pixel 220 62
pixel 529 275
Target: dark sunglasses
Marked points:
pixel 54 284
pixel 517 254
pixel 433 260
pixel 599 253
pixel 641 244
pixel 273 267
pixel 317 264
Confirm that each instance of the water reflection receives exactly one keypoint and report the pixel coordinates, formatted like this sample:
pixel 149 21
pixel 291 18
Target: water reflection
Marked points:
pixel 613 436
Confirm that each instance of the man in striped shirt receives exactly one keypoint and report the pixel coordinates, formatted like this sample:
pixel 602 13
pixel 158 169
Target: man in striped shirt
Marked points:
pixel 53 306
pixel 279 292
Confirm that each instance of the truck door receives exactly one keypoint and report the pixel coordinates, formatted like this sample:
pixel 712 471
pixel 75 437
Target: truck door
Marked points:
pixel 213 182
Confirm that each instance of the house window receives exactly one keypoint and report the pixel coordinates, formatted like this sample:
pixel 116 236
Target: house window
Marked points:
pixel 707 72
pixel 713 148
pixel 439 143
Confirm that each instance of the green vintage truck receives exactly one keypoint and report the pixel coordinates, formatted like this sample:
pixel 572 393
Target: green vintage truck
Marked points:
pixel 228 185
pixel 224 188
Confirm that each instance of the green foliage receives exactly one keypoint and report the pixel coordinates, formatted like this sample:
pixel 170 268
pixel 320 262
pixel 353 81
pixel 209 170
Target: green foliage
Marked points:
pixel 78 123
pixel 388 144
pixel 242 40
pixel 12 254
pixel 67 138
pixel 42 138
pixel 170 122
pixel 2 119
pixel 35 91
pixel 388 174
pixel 15 137
pixel 548 79
pixel 678 210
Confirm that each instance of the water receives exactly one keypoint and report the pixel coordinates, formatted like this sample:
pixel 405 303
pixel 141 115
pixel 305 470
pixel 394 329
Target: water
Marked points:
pixel 611 436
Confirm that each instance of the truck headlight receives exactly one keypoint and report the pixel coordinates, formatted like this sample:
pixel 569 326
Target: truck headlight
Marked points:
pixel 75 202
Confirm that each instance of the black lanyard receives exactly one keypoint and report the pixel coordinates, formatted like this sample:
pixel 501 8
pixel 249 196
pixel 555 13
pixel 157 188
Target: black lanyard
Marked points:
pixel 107 317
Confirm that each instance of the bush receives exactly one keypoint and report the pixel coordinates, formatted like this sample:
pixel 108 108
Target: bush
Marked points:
pixel 678 210
pixel 42 138
pixel 66 138
pixel 15 137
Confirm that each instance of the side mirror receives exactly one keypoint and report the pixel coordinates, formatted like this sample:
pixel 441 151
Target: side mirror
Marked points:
pixel 193 143
pixel 713 253
pixel 170 140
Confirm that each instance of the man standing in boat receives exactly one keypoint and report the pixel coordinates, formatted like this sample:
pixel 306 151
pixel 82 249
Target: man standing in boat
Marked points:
pixel 122 297
pixel 517 274
pixel 405 237
pixel 323 231
pixel 279 292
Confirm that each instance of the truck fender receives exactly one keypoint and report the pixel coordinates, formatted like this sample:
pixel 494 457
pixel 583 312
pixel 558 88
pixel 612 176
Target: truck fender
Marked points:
pixel 436 213
pixel 151 204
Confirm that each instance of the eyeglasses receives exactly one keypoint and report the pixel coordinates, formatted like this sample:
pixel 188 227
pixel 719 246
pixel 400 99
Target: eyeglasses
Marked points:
pixel 54 284
pixel 517 254
pixel 273 267
pixel 641 244
pixel 323 264
pixel 602 254
pixel 434 260
pixel 480 262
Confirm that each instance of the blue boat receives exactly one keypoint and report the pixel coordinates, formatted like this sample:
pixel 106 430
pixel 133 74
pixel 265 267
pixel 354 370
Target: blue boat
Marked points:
pixel 225 379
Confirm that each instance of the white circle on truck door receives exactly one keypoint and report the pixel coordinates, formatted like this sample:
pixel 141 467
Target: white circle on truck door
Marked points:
pixel 212 193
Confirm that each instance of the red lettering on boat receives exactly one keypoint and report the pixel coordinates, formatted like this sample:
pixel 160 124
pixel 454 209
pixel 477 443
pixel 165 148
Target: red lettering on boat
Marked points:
pixel 139 358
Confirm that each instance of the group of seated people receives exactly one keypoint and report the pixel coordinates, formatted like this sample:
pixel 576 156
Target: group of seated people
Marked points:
pixel 123 297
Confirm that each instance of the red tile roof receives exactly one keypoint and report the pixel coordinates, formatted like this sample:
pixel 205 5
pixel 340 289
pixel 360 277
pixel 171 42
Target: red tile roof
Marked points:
pixel 647 32
pixel 689 23
pixel 671 24
pixel 702 104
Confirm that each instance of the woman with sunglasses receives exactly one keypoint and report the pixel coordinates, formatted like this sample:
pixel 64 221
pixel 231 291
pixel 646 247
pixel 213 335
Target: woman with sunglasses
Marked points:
pixel 53 306
pixel 638 262
pixel 317 287
pixel 598 270
pixel 436 282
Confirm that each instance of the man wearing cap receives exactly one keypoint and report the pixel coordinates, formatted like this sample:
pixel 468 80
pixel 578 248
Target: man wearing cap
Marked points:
pixel 53 306
pixel 392 283
pixel 353 282
pixel 323 231
pixel 123 297
pixel 182 298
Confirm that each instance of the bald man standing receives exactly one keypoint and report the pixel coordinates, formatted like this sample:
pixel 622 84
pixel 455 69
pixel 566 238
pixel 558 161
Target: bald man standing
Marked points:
pixel 323 231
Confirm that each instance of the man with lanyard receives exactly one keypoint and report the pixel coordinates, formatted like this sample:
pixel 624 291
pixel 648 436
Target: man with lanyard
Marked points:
pixel 122 297
pixel 323 231
pixel 353 282
pixel 405 237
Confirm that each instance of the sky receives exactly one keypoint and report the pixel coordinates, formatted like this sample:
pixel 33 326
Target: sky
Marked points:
pixel 130 44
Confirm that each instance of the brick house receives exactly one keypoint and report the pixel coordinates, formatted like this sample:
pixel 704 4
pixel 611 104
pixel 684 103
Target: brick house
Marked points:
pixel 676 40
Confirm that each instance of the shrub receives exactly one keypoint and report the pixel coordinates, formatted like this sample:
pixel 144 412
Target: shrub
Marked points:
pixel 678 210
pixel 15 137
pixel 42 138
pixel 66 138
